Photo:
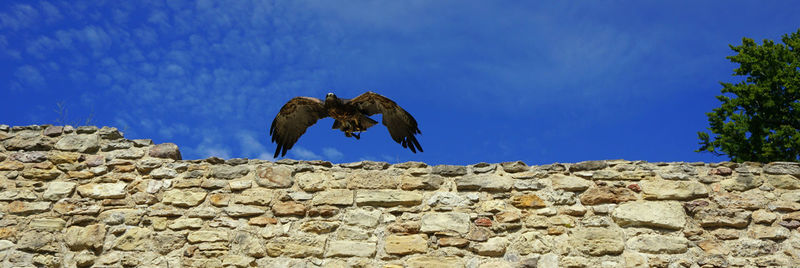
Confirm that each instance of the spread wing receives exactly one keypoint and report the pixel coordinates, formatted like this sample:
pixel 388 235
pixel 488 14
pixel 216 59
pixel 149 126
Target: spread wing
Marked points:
pixel 292 121
pixel 402 126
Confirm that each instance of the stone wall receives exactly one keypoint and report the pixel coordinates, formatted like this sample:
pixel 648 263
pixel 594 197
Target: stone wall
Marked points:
pixel 88 197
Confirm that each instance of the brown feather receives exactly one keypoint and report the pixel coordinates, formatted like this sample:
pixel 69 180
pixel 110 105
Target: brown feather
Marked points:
pixel 292 121
pixel 401 125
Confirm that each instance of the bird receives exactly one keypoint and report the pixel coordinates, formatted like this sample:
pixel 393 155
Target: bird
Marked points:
pixel 351 116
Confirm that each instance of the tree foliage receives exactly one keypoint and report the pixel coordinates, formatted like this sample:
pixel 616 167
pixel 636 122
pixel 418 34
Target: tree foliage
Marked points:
pixel 759 119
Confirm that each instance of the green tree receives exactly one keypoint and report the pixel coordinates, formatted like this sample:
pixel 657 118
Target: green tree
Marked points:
pixel 759 119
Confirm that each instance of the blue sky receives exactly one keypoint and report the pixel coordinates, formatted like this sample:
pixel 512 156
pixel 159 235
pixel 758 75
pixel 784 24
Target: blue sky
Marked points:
pixel 488 81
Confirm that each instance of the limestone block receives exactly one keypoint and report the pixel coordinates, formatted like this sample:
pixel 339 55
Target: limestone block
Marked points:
pixel 597 241
pixel 58 189
pixel 406 244
pixel 484 182
pixel 443 222
pixel 103 190
pixel 350 249
pixel 184 198
pixel 659 244
pixel 569 183
pixel 387 198
pixel 79 143
pixel 662 214
pixel 672 190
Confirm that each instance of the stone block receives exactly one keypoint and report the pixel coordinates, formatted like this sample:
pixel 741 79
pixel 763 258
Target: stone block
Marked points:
pixel 445 222
pixel 661 214
pixel 387 198
pixel 406 244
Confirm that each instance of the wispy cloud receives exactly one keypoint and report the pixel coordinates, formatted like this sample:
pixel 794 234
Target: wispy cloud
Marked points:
pixel 50 11
pixel 164 66
pixel 210 146
pixel 304 154
pixel 210 150
pixel 332 153
pixel 19 17
pixel 251 146
pixel 30 77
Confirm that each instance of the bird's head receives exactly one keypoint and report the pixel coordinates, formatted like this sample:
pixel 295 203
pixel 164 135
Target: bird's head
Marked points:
pixel 330 97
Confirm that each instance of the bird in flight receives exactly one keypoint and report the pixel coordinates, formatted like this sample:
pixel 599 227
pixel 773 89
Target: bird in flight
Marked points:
pixel 351 117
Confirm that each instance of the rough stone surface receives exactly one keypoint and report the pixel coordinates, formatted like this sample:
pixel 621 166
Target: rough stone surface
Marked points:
pixel 28 157
pixel 135 239
pixel 244 211
pixel 88 197
pixel 165 150
pixel 296 246
pixel 372 179
pixel 47 224
pixel 27 140
pixel 447 200
pixel 596 241
pixel 26 208
pixel 290 208
pixel 662 214
pixel 742 182
pixel 387 198
pixel 350 249
pixel 89 237
pixel 607 194
pixel 570 183
pixel 363 218
pixel 528 201
pixel 58 189
pixel 493 247
pixel 184 198
pixel 79 143
pixel 449 170
pixel 788 182
pixel 406 244
pixel 657 244
pixel 432 261
pixel 229 172
pixel 208 236
pixel 484 182
pixel 254 196
pixel 588 165
pixel 514 167
pixel 333 197
pixel 273 176
pixel 450 221
pixel 673 190
pixel 715 217
pixel 103 190
pixel 781 168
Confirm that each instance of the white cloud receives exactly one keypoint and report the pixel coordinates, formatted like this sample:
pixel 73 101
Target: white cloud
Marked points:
pixel 40 47
pixel 304 154
pixel 30 77
pixel 51 12
pixel 171 130
pixel 158 17
pixel 389 158
pixel 367 158
pixel 211 145
pixel 251 147
pixel 20 16
pixel 266 156
pixel 122 124
pixel 211 150
pixel 332 153
pixel 97 38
